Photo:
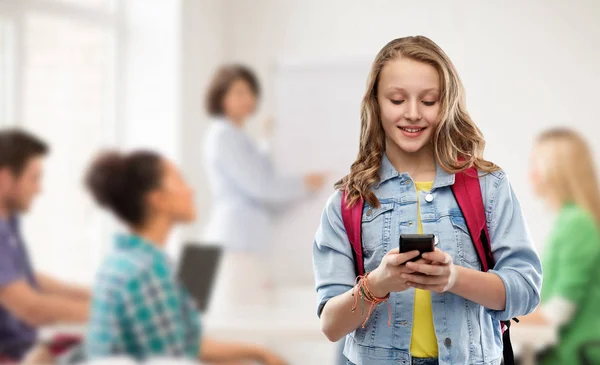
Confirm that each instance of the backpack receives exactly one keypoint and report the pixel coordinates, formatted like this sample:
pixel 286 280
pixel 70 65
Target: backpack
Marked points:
pixel 467 192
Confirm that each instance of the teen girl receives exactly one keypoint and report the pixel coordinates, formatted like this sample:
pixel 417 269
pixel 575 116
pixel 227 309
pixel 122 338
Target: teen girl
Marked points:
pixel 415 136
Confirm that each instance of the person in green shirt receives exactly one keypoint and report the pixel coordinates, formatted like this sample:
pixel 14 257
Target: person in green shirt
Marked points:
pixel 563 175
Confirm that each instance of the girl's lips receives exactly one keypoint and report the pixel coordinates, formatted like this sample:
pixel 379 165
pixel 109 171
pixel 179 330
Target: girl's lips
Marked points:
pixel 412 132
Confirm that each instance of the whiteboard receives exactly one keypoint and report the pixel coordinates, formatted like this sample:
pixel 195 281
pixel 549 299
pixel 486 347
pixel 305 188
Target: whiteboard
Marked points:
pixel 317 109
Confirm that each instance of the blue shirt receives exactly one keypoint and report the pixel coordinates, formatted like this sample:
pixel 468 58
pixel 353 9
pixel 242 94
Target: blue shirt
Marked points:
pixel 467 333
pixel 247 191
pixel 138 307
pixel 16 337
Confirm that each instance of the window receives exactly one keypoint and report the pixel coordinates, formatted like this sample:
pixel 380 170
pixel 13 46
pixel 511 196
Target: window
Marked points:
pixel 92 4
pixel 6 72
pixel 65 87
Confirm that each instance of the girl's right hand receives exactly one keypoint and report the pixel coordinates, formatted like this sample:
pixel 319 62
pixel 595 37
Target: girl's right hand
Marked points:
pixel 387 277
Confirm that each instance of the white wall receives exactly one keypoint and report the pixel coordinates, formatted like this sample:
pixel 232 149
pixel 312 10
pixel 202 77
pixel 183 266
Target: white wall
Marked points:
pixel 526 66
pixel 202 52
pixel 150 77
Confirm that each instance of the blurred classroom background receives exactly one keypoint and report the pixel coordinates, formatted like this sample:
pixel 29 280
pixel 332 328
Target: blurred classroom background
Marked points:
pixel 87 74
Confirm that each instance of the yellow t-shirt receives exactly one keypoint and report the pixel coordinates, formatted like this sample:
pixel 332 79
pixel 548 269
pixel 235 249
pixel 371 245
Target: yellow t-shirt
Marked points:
pixel 424 342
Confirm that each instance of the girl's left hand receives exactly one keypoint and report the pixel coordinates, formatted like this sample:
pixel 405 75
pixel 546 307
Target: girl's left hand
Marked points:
pixel 438 274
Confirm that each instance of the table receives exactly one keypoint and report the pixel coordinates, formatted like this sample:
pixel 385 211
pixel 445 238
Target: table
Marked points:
pixel 288 324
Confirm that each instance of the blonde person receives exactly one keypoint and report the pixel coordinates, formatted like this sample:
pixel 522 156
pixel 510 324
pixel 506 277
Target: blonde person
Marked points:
pixel 416 134
pixel 563 175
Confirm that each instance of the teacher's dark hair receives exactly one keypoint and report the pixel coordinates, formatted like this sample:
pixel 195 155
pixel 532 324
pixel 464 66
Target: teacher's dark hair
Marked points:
pixel 222 81
pixel 120 182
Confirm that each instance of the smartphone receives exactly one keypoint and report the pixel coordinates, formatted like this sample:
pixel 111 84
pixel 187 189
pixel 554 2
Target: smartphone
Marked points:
pixel 417 242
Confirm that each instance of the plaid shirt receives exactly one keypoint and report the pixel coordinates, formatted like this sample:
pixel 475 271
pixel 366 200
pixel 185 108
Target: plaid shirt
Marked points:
pixel 139 309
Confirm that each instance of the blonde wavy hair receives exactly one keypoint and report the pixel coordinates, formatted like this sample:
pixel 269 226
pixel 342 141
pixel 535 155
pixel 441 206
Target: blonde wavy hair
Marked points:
pixel 567 168
pixel 458 142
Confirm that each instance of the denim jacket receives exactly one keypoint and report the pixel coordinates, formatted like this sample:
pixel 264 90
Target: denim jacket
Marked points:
pixel 467 333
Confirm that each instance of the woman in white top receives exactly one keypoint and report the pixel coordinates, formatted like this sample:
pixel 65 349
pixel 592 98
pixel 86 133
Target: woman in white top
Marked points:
pixel 246 189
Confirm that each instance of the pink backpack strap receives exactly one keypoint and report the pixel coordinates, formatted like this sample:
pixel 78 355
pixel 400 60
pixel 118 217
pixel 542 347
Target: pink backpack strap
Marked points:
pixel 352 218
pixel 467 192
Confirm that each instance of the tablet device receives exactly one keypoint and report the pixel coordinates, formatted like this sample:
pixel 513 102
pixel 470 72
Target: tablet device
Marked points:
pixel 198 270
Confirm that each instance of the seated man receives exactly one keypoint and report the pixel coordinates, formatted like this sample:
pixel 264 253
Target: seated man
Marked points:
pixel 28 299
